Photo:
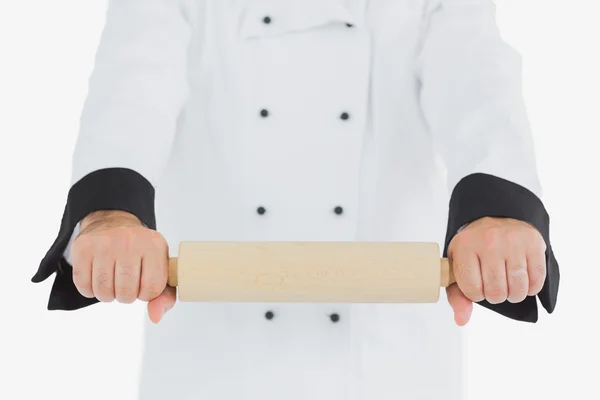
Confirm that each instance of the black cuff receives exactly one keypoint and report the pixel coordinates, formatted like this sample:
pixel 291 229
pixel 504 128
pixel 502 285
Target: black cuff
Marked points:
pixel 481 195
pixel 106 189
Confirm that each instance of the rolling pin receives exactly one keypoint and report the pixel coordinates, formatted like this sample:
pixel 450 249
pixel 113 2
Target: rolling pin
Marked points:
pixel 314 272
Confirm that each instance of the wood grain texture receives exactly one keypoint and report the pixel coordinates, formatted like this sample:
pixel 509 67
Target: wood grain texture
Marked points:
pixel 319 272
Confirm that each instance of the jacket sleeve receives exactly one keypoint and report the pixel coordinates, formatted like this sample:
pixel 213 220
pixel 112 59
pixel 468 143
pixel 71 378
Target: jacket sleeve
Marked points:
pixel 136 92
pixel 470 90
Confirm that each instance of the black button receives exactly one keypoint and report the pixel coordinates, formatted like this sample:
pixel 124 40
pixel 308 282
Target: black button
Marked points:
pixel 345 116
pixel 334 318
pixel 264 113
pixel 261 210
pixel 269 315
pixel 338 210
pixel 267 20
pixel 349 25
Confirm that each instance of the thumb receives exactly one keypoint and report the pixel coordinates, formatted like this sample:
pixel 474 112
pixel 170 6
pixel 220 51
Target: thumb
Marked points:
pixel 164 302
pixel 461 305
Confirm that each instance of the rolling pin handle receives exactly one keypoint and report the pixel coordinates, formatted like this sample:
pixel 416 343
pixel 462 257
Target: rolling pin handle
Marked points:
pixel 447 277
pixel 172 272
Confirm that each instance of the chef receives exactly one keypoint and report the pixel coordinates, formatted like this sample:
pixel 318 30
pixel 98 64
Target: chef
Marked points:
pixel 303 120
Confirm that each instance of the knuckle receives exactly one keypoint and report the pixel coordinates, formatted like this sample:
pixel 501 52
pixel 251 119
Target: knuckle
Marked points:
pixel 536 284
pixel 517 271
pixel 85 292
pixel 513 237
pixel 473 291
pixel 534 288
pixel 126 299
pixel 534 234
pixel 144 296
pixel 103 279
pixel 81 281
pixel 127 270
pixel 82 244
pixel 104 295
pixel 128 282
pixel 124 238
pixel 83 287
pixel 156 240
pixel 80 272
pixel 126 294
pixel 518 274
pixel 494 277
pixel 540 269
pixel 497 271
pixel 461 271
pixel 518 288
pixel 155 288
pixel 540 245
pixel 495 295
pixel 103 284
pixel 538 272
pixel 459 238
pixel 490 237
pixel 127 290
pixel 535 239
pixel 102 244
pixel 517 297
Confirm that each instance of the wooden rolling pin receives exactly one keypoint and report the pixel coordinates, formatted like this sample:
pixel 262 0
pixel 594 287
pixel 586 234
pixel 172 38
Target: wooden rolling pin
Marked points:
pixel 315 272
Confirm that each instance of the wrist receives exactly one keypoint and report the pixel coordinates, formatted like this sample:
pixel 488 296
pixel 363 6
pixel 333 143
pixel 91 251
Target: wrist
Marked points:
pixel 108 218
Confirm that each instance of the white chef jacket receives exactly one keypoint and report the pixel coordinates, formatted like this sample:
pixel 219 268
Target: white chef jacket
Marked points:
pixel 303 120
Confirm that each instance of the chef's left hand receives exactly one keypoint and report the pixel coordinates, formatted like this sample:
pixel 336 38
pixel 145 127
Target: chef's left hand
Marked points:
pixel 496 259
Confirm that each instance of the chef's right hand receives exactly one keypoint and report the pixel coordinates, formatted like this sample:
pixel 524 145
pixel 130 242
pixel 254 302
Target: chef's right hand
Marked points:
pixel 116 257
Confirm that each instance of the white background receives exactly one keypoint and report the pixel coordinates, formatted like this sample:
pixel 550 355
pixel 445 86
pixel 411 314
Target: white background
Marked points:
pixel 46 55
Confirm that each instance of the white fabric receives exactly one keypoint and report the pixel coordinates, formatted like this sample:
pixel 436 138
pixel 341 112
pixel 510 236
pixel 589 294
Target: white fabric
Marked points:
pixel 67 254
pixel 433 94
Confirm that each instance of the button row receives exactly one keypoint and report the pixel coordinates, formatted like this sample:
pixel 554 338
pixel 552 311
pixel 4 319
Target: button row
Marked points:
pixel 269 315
pixel 337 210
pixel 265 113
pixel 267 20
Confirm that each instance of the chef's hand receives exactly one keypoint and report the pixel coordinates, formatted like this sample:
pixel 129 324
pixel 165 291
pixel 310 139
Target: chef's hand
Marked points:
pixel 116 257
pixel 496 259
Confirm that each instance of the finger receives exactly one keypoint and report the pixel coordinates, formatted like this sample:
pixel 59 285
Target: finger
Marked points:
pixel 461 305
pixel 467 273
pixel 82 269
pixel 127 278
pixel 154 274
pixel 493 272
pixel 103 278
pixel 161 304
pixel 536 269
pixel 517 276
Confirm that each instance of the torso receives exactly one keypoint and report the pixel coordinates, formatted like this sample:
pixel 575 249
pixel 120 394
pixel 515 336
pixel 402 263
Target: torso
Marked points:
pixel 299 160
